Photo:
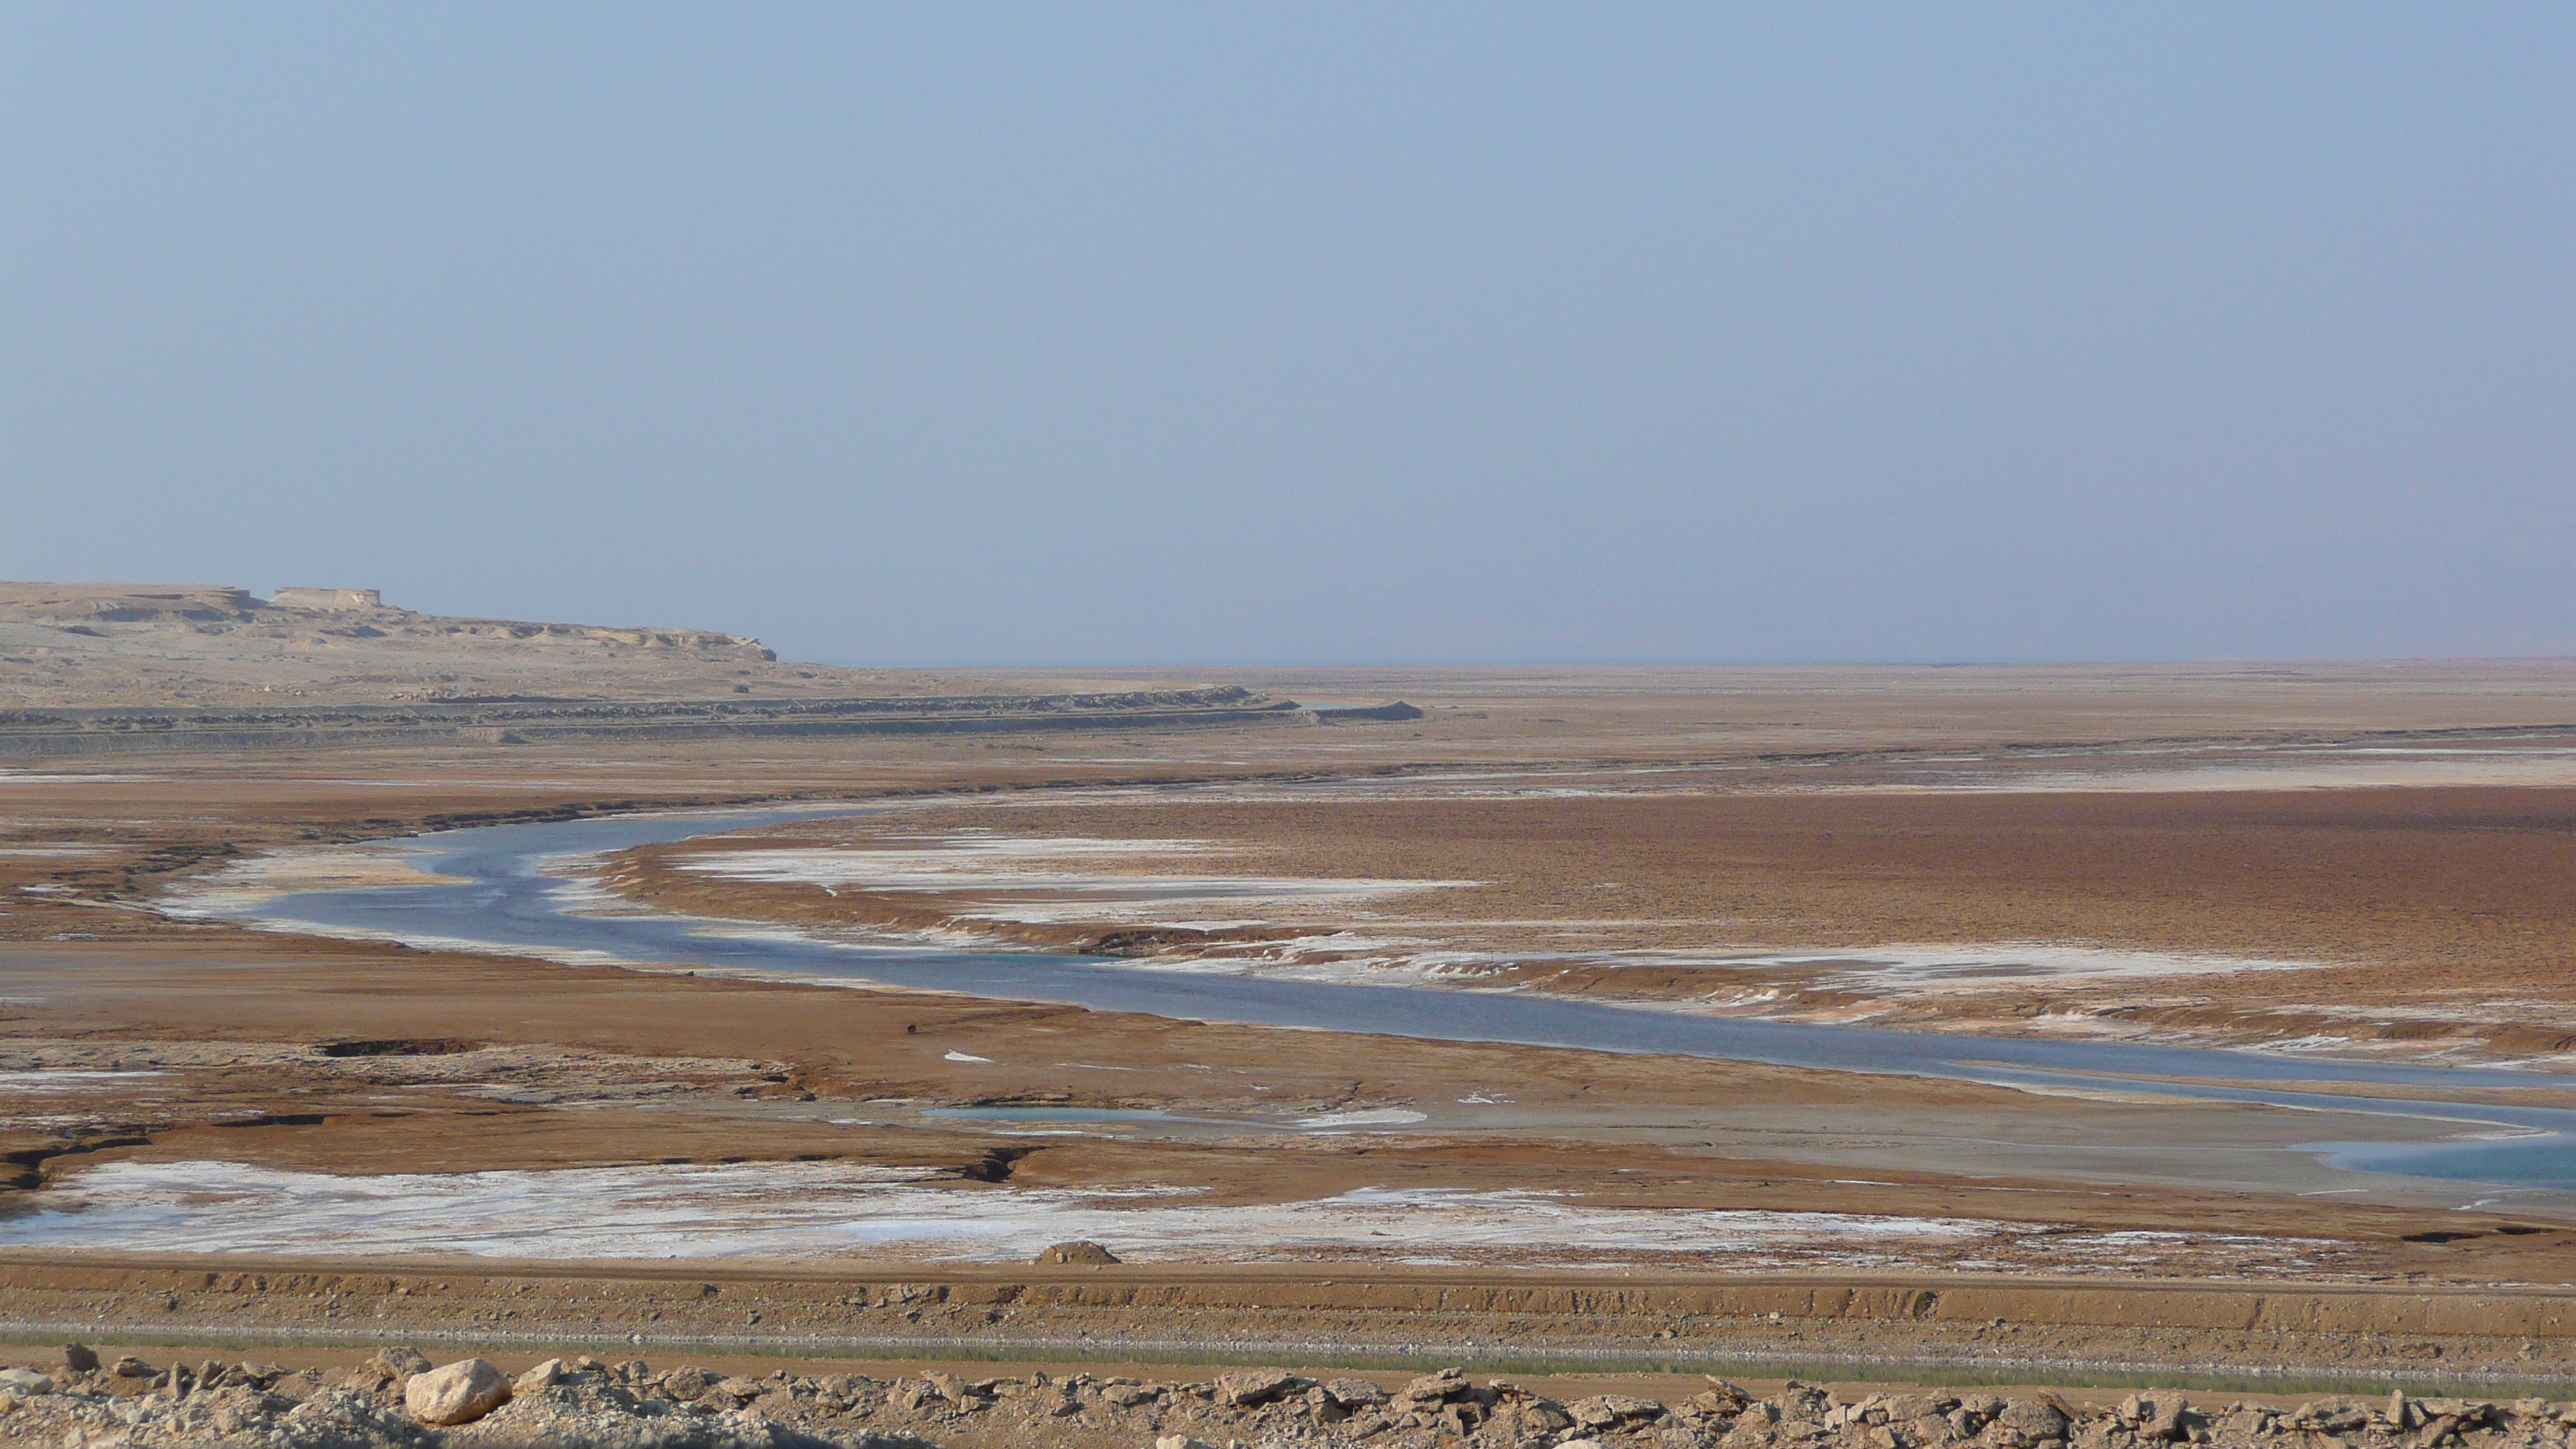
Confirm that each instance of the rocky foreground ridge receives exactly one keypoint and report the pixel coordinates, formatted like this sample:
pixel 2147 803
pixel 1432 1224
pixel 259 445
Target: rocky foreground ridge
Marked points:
pixel 400 1398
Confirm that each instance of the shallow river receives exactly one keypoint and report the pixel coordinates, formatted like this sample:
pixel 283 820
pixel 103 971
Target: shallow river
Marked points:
pixel 502 897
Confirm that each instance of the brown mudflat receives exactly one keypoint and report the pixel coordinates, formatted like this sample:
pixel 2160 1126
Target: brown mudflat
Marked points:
pixel 2432 916
pixel 2204 812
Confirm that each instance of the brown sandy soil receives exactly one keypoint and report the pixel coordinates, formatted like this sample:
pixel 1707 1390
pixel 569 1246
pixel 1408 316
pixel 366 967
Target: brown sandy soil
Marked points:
pixel 240 1032
pixel 463 1063
pixel 2436 917
pixel 1787 808
pixel 1814 716
pixel 1574 1331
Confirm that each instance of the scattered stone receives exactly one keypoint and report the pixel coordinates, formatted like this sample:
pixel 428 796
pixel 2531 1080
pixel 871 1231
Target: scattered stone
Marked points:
pixel 1078 1252
pixel 459 1393
pixel 586 1403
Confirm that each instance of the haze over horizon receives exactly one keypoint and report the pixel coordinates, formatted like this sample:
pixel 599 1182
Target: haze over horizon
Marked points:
pixel 1172 335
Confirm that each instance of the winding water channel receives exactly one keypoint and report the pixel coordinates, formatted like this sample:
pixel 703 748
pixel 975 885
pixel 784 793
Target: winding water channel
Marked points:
pixel 499 894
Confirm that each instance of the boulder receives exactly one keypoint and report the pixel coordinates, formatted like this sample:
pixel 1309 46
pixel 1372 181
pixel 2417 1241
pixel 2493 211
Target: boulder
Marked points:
pixel 1355 1393
pixel 688 1383
pixel 1722 1392
pixel 545 1376
pixel 1077 1252
pixel 1447 1384
pixel 1525 1418
pixel 458 1393
pixel 1711 1406
pixel 1258 1386
pixel 25 1383
pixel 2246 1425
pixel 1604 1411
pixel 2033 1419
pixel 2336 1415
pixel 130 1367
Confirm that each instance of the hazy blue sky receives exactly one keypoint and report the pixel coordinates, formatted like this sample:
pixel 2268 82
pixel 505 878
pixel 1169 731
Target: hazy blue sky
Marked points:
pixel 1401 332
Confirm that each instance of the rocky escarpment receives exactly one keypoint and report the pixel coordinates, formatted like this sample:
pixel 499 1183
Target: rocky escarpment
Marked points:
pixel 90 669
pixel 400 1398
pixel 292 614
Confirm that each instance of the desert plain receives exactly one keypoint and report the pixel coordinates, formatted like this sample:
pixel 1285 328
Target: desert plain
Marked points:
pixel 2308 928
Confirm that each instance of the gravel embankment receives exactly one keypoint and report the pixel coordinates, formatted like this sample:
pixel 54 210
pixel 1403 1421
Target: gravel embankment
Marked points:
pixel 398 1398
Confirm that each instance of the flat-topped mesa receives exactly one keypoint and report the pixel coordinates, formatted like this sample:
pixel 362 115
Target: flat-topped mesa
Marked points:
pixel 202 611
pixel 122 603
pixel 294 597
pixel 92 667
pixel 341 601
pixel 702 640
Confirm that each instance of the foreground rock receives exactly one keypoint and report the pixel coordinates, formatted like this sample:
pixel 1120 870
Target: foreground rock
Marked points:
pixel 460 1393
pixel 582 1401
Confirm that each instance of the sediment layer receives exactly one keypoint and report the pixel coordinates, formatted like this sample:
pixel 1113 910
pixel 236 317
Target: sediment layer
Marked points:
pixel 1327 1312
pixel 121 731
